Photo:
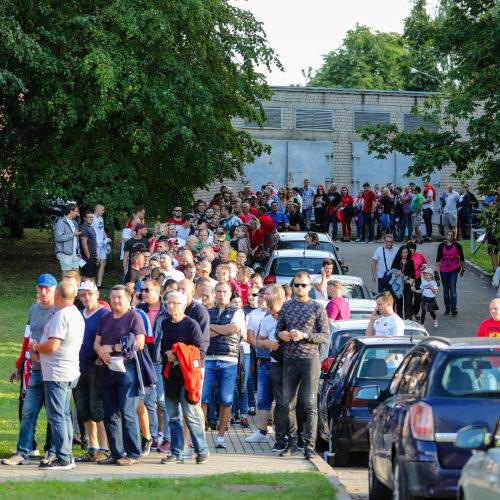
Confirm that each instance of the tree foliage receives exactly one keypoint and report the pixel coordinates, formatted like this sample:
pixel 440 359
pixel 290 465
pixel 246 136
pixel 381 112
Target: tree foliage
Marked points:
pixel 375 60
pixel 125 101
pixel 465 34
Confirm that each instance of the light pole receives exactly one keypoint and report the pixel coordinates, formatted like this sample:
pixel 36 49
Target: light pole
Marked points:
pixel 414 71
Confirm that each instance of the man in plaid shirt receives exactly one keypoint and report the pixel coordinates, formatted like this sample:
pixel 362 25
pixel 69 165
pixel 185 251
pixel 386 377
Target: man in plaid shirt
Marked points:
pixel 307 193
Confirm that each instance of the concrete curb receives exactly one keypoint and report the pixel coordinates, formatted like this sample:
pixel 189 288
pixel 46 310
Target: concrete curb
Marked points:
pixel 478 271
pixel 329 472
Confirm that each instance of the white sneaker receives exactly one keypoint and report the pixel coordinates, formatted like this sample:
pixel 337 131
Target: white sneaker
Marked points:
pixel 436 324
pixel 220 442
pixel 257 437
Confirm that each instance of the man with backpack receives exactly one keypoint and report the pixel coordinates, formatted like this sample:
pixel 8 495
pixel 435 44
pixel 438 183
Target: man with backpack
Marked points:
pixel 382 262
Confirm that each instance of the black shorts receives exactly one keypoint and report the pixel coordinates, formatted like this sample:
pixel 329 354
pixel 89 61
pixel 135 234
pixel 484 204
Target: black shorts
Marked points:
pixel 89 270
pixel 88 395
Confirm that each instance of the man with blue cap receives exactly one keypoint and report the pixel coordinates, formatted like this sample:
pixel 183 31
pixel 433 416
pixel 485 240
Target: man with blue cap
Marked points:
pixel 39 316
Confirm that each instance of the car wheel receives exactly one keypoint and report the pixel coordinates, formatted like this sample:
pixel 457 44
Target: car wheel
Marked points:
pixel 341 458
pixel 400 485
pixel 376 489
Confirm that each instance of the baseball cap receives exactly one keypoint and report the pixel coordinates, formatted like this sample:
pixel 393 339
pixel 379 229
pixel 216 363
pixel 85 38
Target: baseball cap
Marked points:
pixel 140 226
pixel 428 270
pixel 46 280
pixel 262 291
pixel 87 285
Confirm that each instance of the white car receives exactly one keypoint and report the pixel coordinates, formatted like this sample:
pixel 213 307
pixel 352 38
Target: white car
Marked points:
pixel 360 308
pixel 480 478
pixel 283 265
pixel 353 287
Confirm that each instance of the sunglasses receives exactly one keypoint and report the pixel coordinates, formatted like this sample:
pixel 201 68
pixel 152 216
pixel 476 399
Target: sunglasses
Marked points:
pixel 255 294
pixel 303 285
pixel 145 290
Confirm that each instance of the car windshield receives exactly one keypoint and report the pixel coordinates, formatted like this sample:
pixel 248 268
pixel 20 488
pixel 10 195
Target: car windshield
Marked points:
pixel 380 362
pixel 290 266
pixel 341 337
pixel 300 245
pixel 473 375
pixel 353 291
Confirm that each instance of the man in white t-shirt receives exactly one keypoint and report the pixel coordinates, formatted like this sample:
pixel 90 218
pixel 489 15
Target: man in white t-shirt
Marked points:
pixel 58 352
pixel 384 322
pixel 382 260
pixel 101 240
pixel 450 209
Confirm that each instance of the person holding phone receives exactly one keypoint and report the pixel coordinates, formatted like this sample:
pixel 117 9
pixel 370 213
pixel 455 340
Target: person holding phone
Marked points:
pixel 384 322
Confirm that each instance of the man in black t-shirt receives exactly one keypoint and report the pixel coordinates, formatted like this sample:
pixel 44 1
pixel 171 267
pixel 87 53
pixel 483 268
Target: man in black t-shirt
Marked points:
pixel 296 220
pixel 133 274
pixel 88 246
pixel 135 244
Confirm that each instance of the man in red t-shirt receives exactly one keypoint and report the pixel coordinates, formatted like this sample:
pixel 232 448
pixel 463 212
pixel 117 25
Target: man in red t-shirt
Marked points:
pixel 266 223
pixel 491 326
pixel 368 213
pixel 177 216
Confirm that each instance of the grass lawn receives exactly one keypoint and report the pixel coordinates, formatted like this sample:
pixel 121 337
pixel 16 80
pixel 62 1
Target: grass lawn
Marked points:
pixel 480 258
pixel 21 261
pixel 225 486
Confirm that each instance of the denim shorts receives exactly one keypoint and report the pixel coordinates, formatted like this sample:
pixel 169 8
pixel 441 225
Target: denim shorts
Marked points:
pixel 224 373
pixel 265 395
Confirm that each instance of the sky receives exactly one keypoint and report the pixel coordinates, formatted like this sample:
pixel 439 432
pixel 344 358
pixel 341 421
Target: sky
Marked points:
pixel 302 31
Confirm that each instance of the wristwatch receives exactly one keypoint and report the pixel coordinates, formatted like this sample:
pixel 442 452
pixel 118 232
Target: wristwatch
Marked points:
pixel 306 335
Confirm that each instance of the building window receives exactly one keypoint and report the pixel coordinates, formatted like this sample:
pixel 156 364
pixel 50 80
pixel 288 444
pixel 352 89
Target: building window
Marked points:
pixel 314 119
pixel 412 122
pixel 364 118
pixel 273 119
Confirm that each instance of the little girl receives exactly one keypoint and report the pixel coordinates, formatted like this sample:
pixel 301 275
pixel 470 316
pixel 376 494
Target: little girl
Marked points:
pixel 428 289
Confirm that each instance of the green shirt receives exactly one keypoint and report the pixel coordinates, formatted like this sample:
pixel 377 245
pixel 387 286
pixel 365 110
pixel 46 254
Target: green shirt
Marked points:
pixel 417 200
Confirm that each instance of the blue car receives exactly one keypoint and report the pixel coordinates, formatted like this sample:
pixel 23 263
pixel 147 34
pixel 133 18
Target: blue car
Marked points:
pixel 441 386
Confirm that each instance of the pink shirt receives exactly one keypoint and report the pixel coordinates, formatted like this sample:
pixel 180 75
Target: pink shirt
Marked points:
pixel 152 315
pixel 338 309
pixel 418 259
pixel 450 259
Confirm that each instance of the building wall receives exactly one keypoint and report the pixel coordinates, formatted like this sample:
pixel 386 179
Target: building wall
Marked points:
pixel 343 103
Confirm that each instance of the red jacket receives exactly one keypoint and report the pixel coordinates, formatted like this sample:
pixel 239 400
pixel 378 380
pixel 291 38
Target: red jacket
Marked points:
pixel 190 365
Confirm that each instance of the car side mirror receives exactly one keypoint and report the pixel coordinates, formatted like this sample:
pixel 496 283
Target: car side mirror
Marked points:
pixel 369 393
pixel 472 437
pixel 373 294
pixel 345 269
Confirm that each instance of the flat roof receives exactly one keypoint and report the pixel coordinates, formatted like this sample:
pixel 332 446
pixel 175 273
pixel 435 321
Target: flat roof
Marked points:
pixel 334 90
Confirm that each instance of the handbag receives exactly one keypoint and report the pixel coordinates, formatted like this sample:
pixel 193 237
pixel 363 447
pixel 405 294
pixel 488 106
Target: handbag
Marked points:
pixel 387 277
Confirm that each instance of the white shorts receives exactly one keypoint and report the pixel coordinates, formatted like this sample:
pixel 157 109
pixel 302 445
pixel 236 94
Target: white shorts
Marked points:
pixel 68 262
pixel 450 220
pixel 101 252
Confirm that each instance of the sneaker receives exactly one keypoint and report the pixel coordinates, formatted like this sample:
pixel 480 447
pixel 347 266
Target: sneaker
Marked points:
pixel 219 440
pixel 252 410
pixel 146 446
pixel 126 461
pixel 279 446
pixel 300 443
pixel 47 458
pixel 436 324
pixel 309 453
pixel 290 450
pixel 154 444
pixel 90 456
pixel 164 447
pixel 35 453
pixel 446 312
pixel 202 458
pixel 417 317
pixel 235 419
pixel 16 459
pixel 244 423
pixel 210 426
pixel 56 464
pixel 257 437
pixel 357 240
pixel 172 459
pixel 108 461
pixel 454 312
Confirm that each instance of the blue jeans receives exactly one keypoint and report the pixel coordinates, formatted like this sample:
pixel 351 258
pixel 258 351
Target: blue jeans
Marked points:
pixel 366 220
pixel 334 221
pixel 120 395
pixel 33 402
pixel 224 373
pixel 240 402
pixel 405 224
pixel 251 384
pixel 150 400
pixel 449 281
pixel 177 408
pixel 307 214
pixel 265 395
pixel 58 407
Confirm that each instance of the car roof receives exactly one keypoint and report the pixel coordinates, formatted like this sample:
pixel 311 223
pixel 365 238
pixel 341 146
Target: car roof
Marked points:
pixel 362 323
pixel 298 252
pixel 373 341
pixel 354 305
pixel 460 343
pixel 347 278
pixel 300 235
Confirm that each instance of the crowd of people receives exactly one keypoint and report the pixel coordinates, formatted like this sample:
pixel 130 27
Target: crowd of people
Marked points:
pixel 184 336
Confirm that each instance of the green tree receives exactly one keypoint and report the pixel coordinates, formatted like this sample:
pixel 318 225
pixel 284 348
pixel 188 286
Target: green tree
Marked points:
pixel 465 34
pixel 374 60
pixel 125 101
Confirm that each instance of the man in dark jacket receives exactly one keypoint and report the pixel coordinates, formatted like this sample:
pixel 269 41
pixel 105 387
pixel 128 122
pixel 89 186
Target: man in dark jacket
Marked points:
pixel 226 325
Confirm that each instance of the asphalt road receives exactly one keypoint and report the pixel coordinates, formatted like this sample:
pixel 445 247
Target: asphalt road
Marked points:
pixel 474 294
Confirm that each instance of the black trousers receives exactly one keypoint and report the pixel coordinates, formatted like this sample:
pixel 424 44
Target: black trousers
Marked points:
pixel 428 222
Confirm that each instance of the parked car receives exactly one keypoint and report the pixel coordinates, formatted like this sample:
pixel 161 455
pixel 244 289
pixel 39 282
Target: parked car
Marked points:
pixel 480 478
pixel 343 331
pixel 283 265
pixel 343 413
pixel 441 386
pixel 352 287
pixel 360 308
pixel 295 240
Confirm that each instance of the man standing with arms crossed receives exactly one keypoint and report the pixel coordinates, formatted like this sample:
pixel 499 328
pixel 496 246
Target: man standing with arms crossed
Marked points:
pixel 39 316
pixel 303 326
pixel 58 352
